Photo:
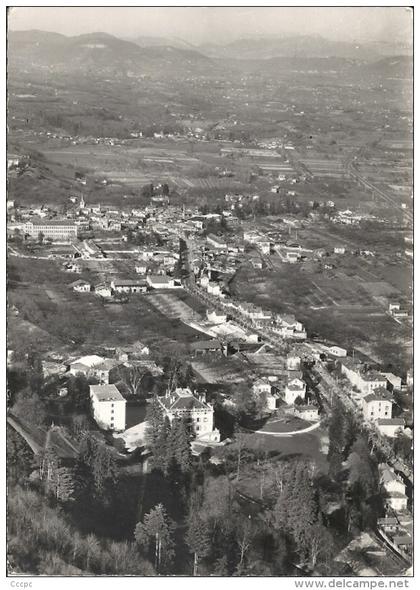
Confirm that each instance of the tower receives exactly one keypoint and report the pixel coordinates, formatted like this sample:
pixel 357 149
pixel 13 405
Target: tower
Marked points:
pixel 82 202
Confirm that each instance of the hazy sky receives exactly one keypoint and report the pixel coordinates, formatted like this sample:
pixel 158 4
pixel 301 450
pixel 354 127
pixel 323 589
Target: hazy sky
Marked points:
pixel 202 25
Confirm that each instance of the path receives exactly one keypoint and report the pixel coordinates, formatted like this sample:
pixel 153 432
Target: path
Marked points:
pixel 287 434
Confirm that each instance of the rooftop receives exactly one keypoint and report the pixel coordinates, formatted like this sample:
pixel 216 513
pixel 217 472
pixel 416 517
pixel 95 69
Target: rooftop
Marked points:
pixel 183 399
pixel 65 222
pixel 88 361
pixel 206 344
pixel 106 393
pixel 391 422
pixel 159 279
pixel 129 282
pixel 377 396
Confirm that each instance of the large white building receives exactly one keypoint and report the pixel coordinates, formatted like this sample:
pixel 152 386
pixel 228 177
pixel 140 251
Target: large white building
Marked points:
pixel 394 488
pixel 377 406
pixel 57 230
pixel 182 403
pixel 295 388
pixel 108 407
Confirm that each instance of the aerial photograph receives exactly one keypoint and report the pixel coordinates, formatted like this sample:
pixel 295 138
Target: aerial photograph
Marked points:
pixel 209 306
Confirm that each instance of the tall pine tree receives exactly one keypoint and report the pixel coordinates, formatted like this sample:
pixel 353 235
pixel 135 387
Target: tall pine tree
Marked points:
pixel 336 438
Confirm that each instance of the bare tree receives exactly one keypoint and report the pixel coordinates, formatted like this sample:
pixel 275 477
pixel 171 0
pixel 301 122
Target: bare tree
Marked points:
pixel 132 377
pixel 244 535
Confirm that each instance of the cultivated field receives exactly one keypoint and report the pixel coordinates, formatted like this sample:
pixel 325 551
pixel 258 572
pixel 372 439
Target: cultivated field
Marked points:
pixel 219 371
pixel 39 291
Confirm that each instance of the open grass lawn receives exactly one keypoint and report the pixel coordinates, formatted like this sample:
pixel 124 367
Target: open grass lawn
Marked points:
pixel 303 446
pixel 307 446
pixel 287 424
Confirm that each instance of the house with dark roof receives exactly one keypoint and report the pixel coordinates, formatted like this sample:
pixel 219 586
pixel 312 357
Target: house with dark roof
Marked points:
pixel 377 405
pixel 197 413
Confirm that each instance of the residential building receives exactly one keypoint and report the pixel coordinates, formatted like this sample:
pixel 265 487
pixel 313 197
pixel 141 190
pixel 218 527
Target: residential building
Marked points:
pixel 261 387
pixel 163 282
pixel 272 401
pixel 390 426
pixel 100 368
pixel 377 405
pixel 410 378
pixel 141 268
pixel 81 286
pixel 293 362
pixel 393 381
pixel 103 290
pixel 214 289
pixel 295 388
pixel 56 230
pixel 394 487
pixel 307 412
pixel 108 407
pixel 365 381
pixel 337 351
pixel 206 346
pixel 216 317
pixel 129 286
pixel 389 524
pixel 184 404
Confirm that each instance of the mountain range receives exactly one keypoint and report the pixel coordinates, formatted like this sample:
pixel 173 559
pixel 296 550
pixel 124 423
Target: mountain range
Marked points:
pixel 100 49
pixel 175 56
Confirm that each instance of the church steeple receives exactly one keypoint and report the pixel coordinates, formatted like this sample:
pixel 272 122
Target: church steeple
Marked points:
pixel 82 202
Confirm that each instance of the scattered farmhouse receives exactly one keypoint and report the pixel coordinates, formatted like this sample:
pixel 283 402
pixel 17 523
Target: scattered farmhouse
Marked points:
pixel 81 286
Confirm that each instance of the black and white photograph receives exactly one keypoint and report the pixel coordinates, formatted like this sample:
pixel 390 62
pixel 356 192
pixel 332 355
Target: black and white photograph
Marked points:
pixel 209 270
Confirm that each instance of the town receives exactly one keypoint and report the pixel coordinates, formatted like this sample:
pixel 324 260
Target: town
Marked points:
pixel 210 327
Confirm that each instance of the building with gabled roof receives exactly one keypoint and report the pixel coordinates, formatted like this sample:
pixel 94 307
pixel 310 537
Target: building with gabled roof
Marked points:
pixel 129 285
pixel 95 366
pixel 206 346
pixel 394 487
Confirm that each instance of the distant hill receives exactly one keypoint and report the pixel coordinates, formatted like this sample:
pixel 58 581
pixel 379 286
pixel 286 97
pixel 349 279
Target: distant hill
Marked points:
pixel 398 66
pixel 149 41
pixel 40 48
pixel 303 46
